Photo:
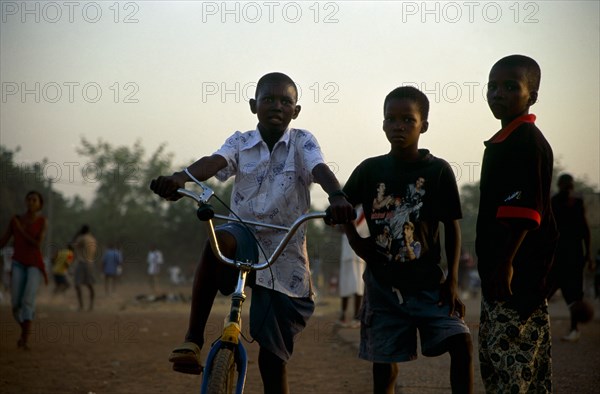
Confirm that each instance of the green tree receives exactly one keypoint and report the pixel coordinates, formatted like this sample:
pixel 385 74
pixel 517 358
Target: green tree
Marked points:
pixel 124 210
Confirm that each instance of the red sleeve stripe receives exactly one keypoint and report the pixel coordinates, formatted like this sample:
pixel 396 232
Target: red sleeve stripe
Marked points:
pixel 508 212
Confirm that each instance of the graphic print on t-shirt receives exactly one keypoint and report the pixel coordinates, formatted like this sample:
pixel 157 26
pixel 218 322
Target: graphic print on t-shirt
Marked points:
pixel 395 216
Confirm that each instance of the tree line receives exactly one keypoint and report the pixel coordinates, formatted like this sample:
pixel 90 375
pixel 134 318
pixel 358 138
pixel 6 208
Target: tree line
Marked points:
pixel 125 213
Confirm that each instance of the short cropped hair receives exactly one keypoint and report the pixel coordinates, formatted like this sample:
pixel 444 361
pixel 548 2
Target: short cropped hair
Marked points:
pixel 532 69
pixel 36 193
pixel 411 93
pixel 273 78
pixel 565 178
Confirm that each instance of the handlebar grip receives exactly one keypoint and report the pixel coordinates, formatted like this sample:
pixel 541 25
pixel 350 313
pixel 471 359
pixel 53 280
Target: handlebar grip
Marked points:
pixel 205 212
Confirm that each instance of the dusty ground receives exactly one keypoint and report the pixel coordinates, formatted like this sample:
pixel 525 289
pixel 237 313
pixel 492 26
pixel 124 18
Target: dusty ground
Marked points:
pixel 122 347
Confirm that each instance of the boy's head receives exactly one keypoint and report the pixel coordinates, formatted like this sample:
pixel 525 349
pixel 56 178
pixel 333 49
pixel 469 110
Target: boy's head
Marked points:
pixel 267 81
pixel 34 200
pixel 410 93
pixel 513 86
pixel 565 183
pixel 275 102
pixel 405 112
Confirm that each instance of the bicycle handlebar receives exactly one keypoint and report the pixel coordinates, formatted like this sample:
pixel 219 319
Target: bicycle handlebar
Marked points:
pixel 202 200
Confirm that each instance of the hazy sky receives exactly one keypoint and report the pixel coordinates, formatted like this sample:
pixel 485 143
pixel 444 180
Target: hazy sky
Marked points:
pixel 181 73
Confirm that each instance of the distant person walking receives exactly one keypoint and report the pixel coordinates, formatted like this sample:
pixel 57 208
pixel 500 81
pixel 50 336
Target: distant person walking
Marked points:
pixel 112 262
pixel 85 247
pixel 573 249
pixel 27 270
pixel 155 260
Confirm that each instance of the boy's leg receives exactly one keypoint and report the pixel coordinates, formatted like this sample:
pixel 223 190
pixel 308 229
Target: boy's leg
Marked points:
pixel 273 372
pixel 384 377
pixel 79 296
pixel 92 294
pixel 344 308
pixel 17 290
pixel 573 288
pixel 276 320
pixel 460 348
pixel 442 333
pixel 32 283
pixel 208 279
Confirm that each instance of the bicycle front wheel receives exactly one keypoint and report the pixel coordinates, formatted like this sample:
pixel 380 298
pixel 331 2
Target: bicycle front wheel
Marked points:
pixel 221 378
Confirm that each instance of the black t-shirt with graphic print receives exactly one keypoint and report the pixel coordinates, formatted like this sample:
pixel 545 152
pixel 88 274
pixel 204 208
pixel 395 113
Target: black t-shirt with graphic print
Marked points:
pixel 404 202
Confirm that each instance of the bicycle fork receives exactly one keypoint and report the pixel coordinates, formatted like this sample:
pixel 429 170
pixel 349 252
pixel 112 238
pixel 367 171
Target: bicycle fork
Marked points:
pixel 230 337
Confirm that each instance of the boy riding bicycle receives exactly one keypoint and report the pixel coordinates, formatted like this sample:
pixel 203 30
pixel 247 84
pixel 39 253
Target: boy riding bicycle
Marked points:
pixel 273 167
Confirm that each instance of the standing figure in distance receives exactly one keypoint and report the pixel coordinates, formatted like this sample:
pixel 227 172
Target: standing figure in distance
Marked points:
pixel 155 260
pixel 573 249
pixel 28 269
pixel 112 262
pixel 85 248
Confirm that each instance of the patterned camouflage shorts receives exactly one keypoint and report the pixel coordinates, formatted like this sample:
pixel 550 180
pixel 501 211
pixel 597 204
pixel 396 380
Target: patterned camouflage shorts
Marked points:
pixel 514 355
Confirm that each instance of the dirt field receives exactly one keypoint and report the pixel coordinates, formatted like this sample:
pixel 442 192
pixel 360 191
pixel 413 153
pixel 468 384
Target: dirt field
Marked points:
pixel 122 347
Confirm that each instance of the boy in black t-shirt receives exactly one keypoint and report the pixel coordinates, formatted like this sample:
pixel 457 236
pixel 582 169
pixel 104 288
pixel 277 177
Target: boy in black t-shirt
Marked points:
pixel 516 236
pixel 405 194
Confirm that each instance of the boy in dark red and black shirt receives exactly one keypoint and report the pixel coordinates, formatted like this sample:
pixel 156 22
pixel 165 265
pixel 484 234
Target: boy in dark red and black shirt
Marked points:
pixel 516 236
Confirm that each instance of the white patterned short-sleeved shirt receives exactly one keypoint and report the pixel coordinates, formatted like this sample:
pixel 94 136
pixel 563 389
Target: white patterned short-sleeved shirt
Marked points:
pixel 273 187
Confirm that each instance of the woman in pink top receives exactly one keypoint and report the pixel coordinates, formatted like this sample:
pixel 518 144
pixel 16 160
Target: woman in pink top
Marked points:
pixel 28 268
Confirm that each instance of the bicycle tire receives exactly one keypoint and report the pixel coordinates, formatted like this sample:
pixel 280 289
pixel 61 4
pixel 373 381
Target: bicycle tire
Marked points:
pixel 221 379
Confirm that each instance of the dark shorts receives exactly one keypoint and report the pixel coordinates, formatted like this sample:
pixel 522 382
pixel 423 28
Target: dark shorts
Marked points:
pixel 275 318
pixel 390 335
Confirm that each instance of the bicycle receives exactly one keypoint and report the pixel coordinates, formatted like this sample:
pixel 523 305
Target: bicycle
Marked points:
pixel 227 354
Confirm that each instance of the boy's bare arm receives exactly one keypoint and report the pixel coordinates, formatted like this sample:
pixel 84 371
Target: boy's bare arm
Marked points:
pixel 341 210
pixel 452 242
pixel 499 284
pixel 202 169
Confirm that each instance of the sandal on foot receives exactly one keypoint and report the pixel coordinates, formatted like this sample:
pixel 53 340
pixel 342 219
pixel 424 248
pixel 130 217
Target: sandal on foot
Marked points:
pixel 186 358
